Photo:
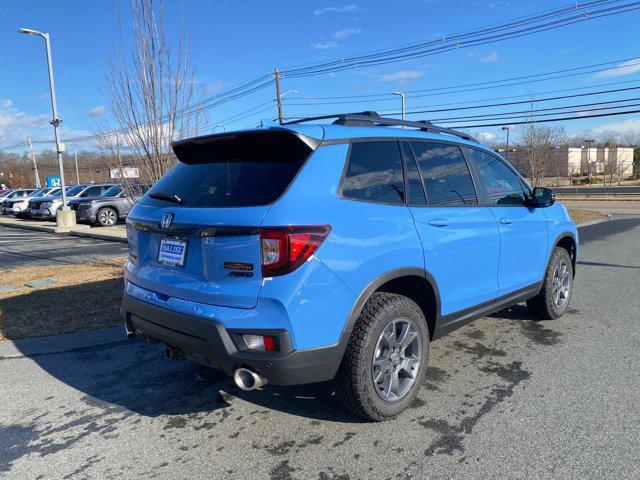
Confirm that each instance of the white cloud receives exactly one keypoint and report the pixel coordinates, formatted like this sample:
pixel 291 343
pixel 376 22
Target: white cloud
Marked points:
pixel 402 77
pixel 324 45
pixel 347 32
pixel 342 9
pixel 6 103
pixel 625 68
pixel 15 124
pixel 631 125
pixel 214 87
pixel 490 58
pixel 486 137
pixel 96 111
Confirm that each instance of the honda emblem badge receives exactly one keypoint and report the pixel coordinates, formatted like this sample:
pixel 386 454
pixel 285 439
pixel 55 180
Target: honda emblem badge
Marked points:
pixel 166 221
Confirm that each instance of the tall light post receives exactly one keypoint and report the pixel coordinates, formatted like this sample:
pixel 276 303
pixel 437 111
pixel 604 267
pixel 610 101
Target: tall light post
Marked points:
pixel 589 142
pixel 506 155
pixel 66 217
pixel 280 99
pixel 401 94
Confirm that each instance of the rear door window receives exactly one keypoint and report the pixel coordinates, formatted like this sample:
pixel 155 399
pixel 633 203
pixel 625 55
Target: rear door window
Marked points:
pixel 231 171
pixel 503 187
pixel 374 173
pixel 445 173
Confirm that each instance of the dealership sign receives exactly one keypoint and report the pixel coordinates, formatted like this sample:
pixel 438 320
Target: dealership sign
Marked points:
pixel 53 182
pixel 124 172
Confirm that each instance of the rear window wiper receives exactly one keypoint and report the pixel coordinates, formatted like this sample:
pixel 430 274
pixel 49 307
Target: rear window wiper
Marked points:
pixel 168 197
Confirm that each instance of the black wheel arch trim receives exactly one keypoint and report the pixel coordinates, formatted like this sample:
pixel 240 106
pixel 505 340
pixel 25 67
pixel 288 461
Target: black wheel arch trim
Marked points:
pixel 574 257
pixel 373 286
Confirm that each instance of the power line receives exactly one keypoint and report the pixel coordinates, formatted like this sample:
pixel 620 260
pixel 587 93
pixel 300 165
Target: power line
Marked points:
pixel 468 40
pixel 547 120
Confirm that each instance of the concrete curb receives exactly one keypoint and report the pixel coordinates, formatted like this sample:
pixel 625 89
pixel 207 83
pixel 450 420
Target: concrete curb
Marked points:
pixel 80 231
pixel 608 217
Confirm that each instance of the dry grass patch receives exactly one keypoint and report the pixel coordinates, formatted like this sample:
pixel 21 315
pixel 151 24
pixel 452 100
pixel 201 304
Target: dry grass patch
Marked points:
pixel 85 296
pixel 582 216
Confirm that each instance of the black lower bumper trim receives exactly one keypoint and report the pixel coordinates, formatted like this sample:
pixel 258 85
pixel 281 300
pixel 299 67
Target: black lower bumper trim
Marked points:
pixel 207 342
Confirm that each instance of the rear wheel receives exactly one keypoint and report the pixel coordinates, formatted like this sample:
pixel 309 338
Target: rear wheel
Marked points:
pixel 386 358
pixel 107 217
pixel 553 299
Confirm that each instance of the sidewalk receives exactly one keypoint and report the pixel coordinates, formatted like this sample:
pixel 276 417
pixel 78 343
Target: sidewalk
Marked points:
pixel 116 233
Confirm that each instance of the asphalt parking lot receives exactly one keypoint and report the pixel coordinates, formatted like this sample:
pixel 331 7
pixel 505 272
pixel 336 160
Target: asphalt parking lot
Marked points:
pixel 505 397
pixel 28 248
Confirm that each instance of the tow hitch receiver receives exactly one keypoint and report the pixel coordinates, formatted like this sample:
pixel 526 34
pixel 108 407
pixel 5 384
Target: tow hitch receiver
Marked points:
pixel 173 353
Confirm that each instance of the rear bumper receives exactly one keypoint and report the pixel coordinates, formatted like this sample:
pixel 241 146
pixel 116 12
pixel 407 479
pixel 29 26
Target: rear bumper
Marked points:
pixel 209 343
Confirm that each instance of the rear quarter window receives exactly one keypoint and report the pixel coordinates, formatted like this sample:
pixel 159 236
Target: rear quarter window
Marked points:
pixel 374 173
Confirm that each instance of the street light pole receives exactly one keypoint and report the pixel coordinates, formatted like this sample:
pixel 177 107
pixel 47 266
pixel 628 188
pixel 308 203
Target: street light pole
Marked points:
pixel 69 218
pixel 589 142
pixel 401 94
pixel 506 155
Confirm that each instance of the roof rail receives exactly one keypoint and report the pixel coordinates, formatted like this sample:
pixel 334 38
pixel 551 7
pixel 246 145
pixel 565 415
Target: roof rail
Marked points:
pixel 372 119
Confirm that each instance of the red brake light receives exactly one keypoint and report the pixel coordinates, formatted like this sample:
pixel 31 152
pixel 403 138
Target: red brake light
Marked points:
pixel 284 249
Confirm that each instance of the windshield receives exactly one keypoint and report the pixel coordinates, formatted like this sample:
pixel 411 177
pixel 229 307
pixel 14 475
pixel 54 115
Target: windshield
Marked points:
pixel 113 191
pixel 39 192
pixel 75 190
pixel 231 171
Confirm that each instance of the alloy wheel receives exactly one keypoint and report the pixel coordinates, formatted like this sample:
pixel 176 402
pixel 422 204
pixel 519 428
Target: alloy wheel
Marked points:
pixel 561 285
pixel 396 359
pixel 107 217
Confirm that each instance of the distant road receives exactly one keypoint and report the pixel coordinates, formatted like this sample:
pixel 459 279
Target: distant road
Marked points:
pixel 611 190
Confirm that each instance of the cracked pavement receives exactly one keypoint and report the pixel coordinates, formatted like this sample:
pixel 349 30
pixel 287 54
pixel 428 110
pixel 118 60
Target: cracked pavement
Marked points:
pixel 504 397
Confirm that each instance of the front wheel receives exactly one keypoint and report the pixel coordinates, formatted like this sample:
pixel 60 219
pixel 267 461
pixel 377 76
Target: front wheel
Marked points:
pixel 386 358
pixel 107 217
pixel 557 286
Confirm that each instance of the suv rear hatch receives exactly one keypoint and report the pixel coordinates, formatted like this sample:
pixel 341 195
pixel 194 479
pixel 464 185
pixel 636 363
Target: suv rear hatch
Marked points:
pixel 195 234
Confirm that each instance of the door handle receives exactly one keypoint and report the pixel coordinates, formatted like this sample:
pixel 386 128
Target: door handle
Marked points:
pixel 438 222
pixel 506 221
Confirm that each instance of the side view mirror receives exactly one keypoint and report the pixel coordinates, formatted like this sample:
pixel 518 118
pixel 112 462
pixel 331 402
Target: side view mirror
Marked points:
pixel 543 197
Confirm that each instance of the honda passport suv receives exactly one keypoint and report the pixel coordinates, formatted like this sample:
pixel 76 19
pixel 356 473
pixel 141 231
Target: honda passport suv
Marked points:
pixel 311 252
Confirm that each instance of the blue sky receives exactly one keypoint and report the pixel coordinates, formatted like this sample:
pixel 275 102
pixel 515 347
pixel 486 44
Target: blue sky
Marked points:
pixel 235 41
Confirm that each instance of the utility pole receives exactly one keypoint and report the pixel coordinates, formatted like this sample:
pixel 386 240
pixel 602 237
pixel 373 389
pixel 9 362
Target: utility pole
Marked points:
pixel 75 156
pixel 66 218
pixel 401 94
pixel 278 97
pixel 35 164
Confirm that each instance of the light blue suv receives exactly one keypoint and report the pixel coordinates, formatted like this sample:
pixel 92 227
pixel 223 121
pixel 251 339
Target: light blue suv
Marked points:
pixel 311 252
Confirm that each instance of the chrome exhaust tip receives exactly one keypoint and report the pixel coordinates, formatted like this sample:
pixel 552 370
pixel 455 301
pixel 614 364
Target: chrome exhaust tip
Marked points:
pixel 247 379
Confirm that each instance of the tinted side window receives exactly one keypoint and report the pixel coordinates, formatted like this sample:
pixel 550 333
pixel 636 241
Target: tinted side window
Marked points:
pixel 415 192
pixel 92 192
pixel 374 173
pixel 502 185
pixel 445 173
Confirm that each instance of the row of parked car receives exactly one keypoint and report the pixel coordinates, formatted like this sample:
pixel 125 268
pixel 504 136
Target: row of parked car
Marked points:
pixel 101 204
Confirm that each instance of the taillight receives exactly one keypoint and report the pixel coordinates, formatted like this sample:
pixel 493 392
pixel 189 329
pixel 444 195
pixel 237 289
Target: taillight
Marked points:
pixel 284 249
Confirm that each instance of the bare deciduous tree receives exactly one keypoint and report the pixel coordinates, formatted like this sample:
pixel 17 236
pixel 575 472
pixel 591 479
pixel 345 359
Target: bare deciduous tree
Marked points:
pixel 540 141
pixel 151 92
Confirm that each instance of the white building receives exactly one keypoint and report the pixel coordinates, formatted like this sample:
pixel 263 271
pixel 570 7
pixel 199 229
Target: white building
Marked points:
pixel 615 162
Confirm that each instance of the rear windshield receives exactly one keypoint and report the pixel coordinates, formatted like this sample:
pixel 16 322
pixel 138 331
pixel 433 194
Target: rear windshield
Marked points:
pixel 247 169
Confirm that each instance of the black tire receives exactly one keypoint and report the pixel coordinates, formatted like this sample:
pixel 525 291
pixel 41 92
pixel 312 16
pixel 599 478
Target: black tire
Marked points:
pixel 543 305
pixel 355 387
pixel 106 217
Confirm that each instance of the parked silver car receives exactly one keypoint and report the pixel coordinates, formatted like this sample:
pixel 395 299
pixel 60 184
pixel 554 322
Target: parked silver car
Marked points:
pixel 47 207
pixel 22 210
pixel 17 196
